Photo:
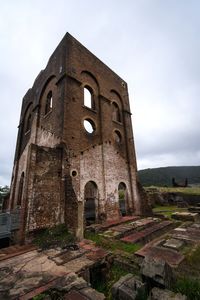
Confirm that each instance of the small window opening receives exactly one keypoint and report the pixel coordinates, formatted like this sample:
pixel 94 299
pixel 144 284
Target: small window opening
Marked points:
pixel 89 126
pixel 49 103
pixel 74 173
pixel 88 98
pixel 116 112
pixel 117 137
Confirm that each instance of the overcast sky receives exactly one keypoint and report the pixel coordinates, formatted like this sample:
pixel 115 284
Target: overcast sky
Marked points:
pixel 154 45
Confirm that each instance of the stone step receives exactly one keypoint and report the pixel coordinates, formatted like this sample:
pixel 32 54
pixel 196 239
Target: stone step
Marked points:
pixel 149 233
pixel 123 230
pixel 109 224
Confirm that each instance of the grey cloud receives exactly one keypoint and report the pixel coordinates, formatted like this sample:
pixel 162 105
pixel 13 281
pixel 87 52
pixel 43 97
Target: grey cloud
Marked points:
pixel 153 45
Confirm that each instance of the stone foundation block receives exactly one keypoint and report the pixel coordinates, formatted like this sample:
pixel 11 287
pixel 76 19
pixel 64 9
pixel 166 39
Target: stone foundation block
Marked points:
pixel 128 287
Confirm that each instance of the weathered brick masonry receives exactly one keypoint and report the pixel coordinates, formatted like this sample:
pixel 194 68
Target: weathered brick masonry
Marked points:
pixel 62 172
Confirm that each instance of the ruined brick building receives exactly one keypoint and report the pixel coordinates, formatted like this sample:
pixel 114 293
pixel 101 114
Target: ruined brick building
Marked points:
pixel 75 147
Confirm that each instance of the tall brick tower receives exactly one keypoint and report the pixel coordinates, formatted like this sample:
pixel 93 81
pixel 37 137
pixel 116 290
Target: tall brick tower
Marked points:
pixel 75 159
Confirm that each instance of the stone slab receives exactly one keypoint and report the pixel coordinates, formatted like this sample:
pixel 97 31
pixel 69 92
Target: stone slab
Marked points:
pixel 74 295
pixel 125 229
pixel 96 254
pixel 142 235
pixel 172 257
pixel 173 243
pixel 160 294
pixel 92 294
pixel 185 216
pixel 188 234
pixel 68 255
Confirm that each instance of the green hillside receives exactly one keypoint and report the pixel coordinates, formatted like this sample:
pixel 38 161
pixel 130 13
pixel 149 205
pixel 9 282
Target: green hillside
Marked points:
pixel 163 176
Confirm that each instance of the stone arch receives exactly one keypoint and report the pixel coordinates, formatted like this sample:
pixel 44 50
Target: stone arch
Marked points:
pixel 49 102
pixel 50 78
pixel 27 119
pixel 117 106
pixel 115 95
pixel 88 78
pixel 116 114
pixel 47 94
pixel 123 198
pixel 90 202
pixel 90 83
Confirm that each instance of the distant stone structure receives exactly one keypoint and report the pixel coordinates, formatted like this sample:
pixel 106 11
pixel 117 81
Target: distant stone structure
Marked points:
pixel 75 146
pixel 175 184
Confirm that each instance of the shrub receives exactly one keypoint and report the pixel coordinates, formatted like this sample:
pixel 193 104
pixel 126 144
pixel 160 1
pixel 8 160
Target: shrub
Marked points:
pixel 54 236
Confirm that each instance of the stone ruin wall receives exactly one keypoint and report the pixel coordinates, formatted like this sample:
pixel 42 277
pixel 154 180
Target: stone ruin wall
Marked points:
pixel 57 144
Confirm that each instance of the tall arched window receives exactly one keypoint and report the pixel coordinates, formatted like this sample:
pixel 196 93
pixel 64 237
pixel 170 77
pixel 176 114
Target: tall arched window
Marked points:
pixel 122 192
pixel 49 102
pixel 88 98
pixel 27 119
pixel 91 202
pixel 28 123
pixel 116 112
pixel 20 191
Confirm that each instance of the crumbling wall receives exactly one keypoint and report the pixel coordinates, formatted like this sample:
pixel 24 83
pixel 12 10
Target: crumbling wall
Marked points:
pixel 44 188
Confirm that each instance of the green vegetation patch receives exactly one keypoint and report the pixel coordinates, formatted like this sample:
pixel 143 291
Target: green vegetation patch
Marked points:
pixel 111 244
pixel 115 273
pixel 163 176
pixel 180 190
pixel 188 286
pixel 168 210
pixel 193 258
pixel 54 236
pixel 52 294
pixel 104 286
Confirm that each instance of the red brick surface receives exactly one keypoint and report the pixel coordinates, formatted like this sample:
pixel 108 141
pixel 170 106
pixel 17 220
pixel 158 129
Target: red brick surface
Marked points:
pixel 144 234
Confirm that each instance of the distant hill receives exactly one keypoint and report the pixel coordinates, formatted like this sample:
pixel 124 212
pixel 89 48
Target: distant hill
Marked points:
pixel 163 176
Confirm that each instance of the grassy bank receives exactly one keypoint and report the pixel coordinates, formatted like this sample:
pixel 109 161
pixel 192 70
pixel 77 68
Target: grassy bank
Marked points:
pixel 180 190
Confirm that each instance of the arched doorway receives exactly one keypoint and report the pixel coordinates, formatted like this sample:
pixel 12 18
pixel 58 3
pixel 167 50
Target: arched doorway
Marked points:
pixel 90 202
pixel 20 191
pixel 122 193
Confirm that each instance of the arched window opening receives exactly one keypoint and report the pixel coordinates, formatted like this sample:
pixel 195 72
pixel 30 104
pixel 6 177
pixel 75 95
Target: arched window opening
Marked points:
pixel 116 112
pixel 91 202
pixel 49 103
pixel 28 124
pixel 117 137
pixel 88 98
pixel 20 191
pixel 89 126
pixel 122 193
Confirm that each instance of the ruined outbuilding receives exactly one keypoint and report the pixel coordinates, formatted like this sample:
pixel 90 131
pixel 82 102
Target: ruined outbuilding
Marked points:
pixel 75 160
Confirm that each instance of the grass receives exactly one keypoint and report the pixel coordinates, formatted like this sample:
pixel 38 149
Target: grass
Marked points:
pixel 167 210
pixel 181 190
pixel 111 244
pixel 193 258
pixel 105 286
pixel 54 236
pixel 188 286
